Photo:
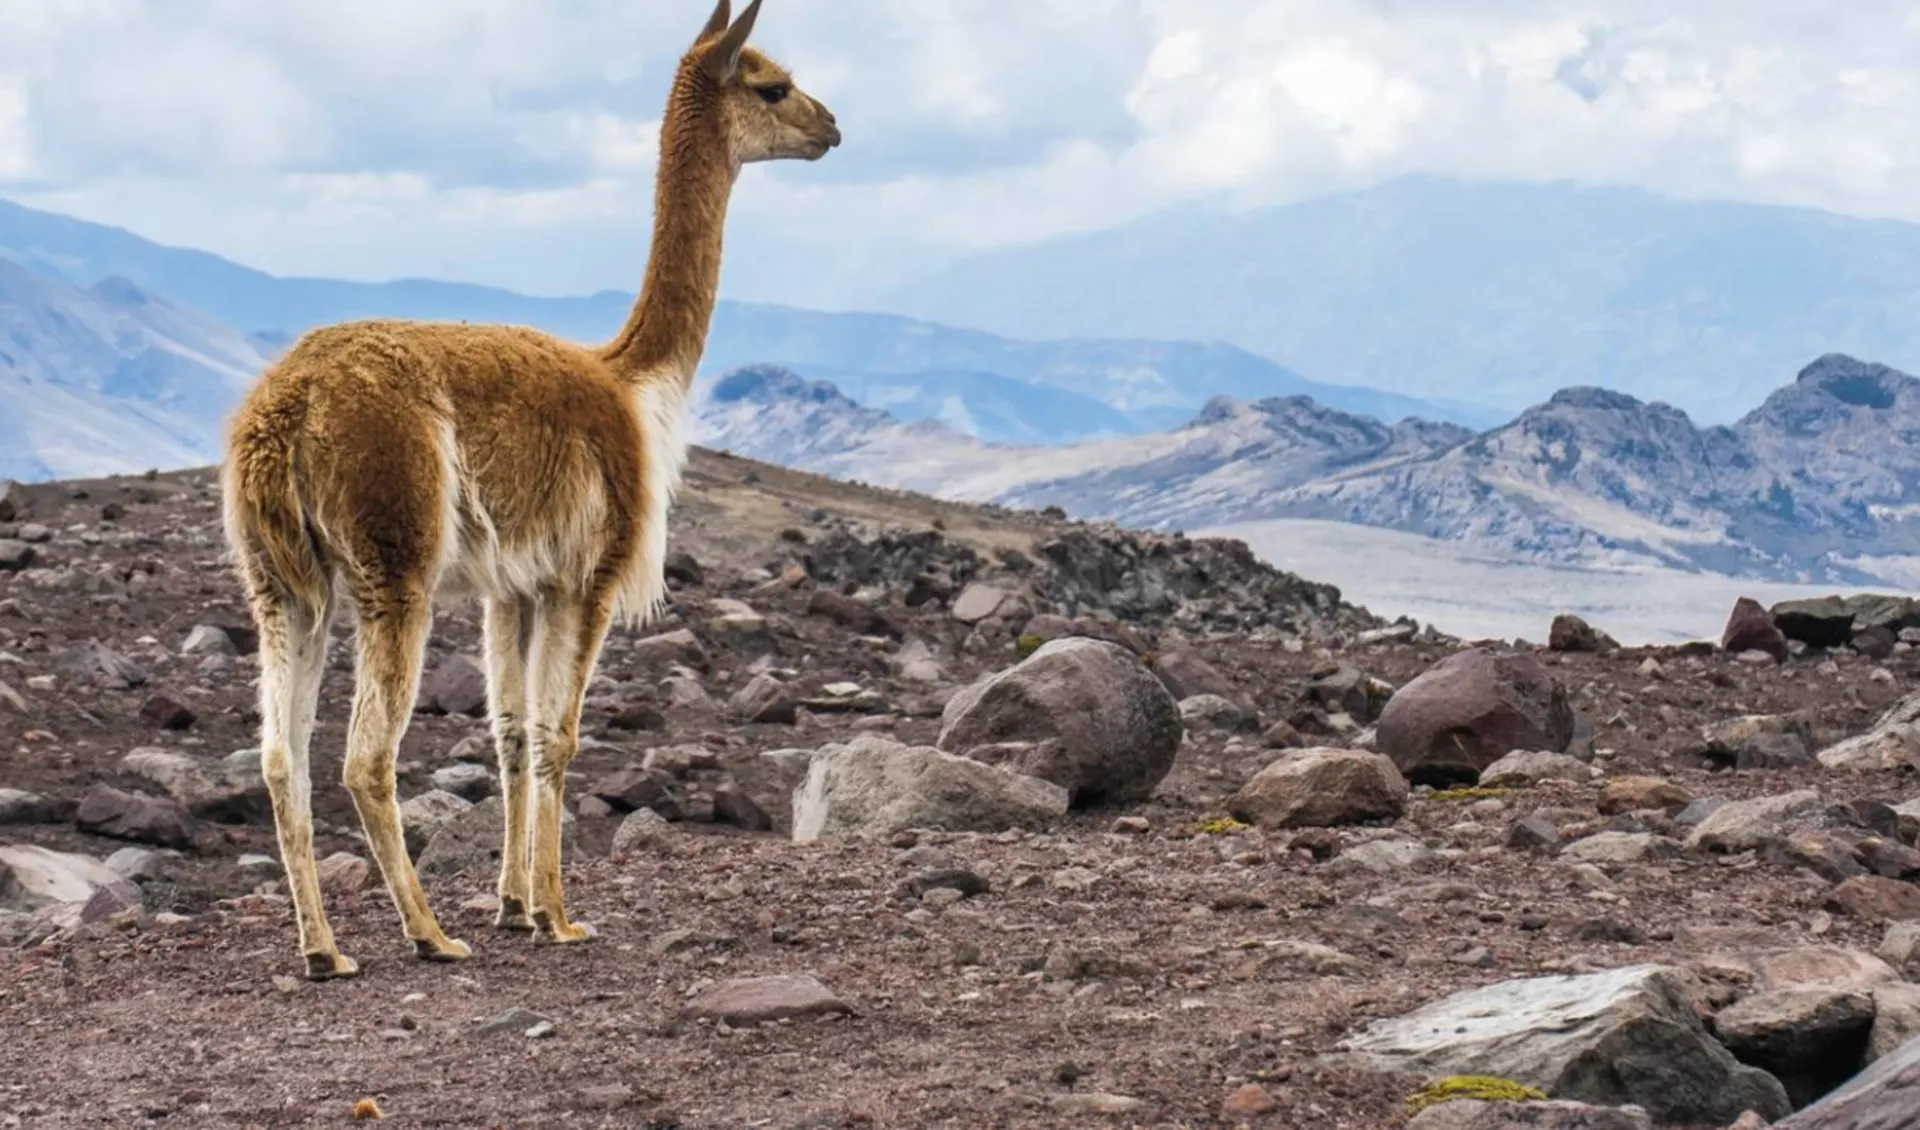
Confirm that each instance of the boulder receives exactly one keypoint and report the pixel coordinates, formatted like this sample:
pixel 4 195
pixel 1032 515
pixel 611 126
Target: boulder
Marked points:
pixel 1570 633
pixel 1626 1036
pixel 1319 788
pixel 106 811
pixel 464 779
pixel 1879 1098
pixel 1825 621
pixel 1641 794
pixel 16 555
pixel 13 500
pixel 1877 899
pixel 1747 825
pixel 1811 1039
pixel 229 791
pixel 1749 628
pixel 656 653
pixel 1620 848
pixel 1892 743
pixel 1761 741
pixel 874 787
pixel 32 878
pixel 458 685
pixel 1468 711
pixel 1083 714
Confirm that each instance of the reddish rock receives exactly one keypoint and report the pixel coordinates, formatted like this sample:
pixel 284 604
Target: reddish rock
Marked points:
pixel 1470 710
pixel 1250 1101
pixel 1751 628
pixel 637 787
pixel 1877 898
pixel 765 699
pixel 343 873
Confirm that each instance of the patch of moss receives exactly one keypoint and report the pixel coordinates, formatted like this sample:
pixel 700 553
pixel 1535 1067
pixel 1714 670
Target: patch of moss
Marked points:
pixel 1469 794
pixel 1029 644
pixel 1478 1087
pixel 1221 826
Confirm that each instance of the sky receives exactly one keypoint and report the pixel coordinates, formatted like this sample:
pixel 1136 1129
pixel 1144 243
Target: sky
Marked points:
pixel 512 142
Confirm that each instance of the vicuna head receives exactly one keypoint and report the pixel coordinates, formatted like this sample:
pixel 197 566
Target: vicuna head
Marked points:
pixel 764 115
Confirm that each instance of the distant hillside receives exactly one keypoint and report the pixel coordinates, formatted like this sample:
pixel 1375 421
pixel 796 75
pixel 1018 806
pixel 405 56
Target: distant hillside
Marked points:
pixel 1817 484
pixel 994 387
pixel 109 378
pixel 1504 293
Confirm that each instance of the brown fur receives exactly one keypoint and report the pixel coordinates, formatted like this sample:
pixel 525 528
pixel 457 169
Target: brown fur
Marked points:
pixel 397 462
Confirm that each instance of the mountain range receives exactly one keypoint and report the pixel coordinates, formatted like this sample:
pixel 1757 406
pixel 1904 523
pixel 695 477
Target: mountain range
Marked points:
pixel 1498 292
pixel 1816 484
pixel 999 389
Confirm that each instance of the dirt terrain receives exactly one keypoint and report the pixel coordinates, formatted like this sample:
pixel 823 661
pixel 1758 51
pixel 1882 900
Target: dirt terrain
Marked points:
pixel 1131 965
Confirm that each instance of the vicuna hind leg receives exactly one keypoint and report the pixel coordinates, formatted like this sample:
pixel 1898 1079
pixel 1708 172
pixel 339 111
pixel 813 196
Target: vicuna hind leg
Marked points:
pixel 293 653
pixel 568 637
pixel 509 638
pixel 393 641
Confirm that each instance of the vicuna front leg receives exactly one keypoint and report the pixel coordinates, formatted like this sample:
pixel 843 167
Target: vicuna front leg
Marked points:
pixel 293 652
pixel 567 645
pixel 509 640
pixel 393 640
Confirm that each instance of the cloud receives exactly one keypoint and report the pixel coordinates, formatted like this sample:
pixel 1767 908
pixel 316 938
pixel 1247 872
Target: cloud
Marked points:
pixel 513 142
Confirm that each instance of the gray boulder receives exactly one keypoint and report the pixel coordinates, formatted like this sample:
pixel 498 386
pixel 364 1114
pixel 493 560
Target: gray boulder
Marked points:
pixel 1322 788
pixel 1083 714
pixel 875 787
pixel 470 840
pixel 1473 1114
pixel 1626 1036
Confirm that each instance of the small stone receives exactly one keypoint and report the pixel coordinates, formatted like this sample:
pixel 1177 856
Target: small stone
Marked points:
pixel 515 1019
pixel 1250 1100
pixel 1524 769
pixel 541 1031
pixel 1533 833
pixel 1641 794
pixel 748 1001
pixel 1570 633
pixel 640 829
pixel 1132 826
pixel 1094 1102
pixel 457 686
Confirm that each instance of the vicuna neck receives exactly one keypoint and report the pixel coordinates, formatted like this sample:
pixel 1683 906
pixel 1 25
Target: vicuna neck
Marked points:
pixel 667 331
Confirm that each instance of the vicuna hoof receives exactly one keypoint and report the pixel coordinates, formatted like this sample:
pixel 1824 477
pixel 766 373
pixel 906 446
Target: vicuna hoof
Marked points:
pixel 330 967
pixel 548 932
pixel 442 951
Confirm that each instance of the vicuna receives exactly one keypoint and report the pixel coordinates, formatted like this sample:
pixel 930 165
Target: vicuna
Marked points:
pixel 395 462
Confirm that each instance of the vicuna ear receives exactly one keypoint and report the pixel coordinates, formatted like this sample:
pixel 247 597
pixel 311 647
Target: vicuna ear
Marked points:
pixel 717 23
pixel 723 58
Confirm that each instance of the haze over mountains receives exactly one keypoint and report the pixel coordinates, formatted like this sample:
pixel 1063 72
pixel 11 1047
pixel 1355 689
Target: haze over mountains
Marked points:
pixel 1505 293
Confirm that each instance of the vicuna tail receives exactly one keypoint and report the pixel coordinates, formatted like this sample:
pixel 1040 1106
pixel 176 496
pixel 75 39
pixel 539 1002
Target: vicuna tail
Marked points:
pixel 267 524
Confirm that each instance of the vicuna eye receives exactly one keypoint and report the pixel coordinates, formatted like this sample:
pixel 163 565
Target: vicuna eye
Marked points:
pixel 773 95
